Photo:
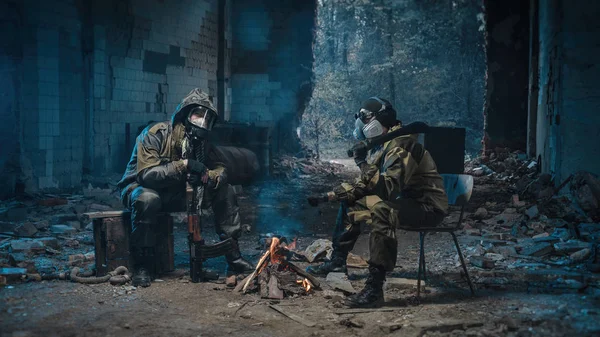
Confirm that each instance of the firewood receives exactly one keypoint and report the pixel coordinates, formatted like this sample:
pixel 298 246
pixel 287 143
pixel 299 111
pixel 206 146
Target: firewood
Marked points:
pixel 262 261
pixel 302 273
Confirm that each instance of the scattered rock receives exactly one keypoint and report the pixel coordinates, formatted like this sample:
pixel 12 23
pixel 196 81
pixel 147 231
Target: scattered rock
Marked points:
pixel 62 229
pixel 494 256
pixel 49 242
pixel 480 214
pixel 12 274
pixel 580 255
pixel 319 248
pixel 25 229
pixel 539 249
pixel 570 246
pixel 351 323
pixel 26 246
pixel 41 225
pixel 402 283
pixel 506 251
pixel 74 224
pixel 340 281
pixel 390 327
pixel 541 235
pixel 231 281
pixel 332 295
pixel 516 202
pixel 482 262
pixel 355 261
pixel 532 212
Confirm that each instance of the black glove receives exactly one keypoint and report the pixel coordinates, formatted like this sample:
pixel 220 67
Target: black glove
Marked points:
pixel 359 151
pixel 315 200
pixel 195 180
pixel 195 167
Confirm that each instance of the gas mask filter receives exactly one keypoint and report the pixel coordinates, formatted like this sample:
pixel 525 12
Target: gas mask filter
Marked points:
pixel 373 129
pixel 358 129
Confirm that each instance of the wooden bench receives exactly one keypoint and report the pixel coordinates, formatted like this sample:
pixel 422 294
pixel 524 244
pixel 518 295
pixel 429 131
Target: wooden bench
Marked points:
pixel 112 246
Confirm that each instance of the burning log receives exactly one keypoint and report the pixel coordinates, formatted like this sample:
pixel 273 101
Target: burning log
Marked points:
pixel 259 265
pixel 277 275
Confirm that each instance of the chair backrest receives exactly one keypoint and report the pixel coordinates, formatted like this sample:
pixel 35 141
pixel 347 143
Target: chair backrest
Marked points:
pixel 458 188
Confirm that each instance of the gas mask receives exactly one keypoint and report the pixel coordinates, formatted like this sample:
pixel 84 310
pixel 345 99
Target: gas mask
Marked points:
pixel 199 122
pixel 373 129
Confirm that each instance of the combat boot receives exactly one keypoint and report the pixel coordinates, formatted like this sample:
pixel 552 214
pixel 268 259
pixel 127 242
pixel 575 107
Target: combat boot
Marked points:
pixel 372 294
pixel 337 264
pixel 143 267
pixel 236 264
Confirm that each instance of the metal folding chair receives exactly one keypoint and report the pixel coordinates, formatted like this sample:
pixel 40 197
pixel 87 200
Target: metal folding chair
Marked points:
pixel 458 188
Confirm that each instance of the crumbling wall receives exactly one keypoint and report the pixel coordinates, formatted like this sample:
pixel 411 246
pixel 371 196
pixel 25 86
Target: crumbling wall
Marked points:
pixel 11 57
pixel 271 63
pixel 507 45
pixel 80 77
pixel 569 100
pixel 146 57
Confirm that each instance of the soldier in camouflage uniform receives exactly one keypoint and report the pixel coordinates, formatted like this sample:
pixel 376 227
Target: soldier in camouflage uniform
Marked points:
pixel 165 156
pixel 399 186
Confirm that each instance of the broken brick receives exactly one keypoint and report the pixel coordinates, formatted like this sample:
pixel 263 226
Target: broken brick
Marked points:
pixel 25 229
pixel 482 262
pixel 26 246
pixel 540 249
pixel 532 212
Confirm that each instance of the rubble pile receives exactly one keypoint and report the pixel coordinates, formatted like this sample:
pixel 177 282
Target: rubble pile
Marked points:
pixel 49 234
pixel 531 222
pixel 290 166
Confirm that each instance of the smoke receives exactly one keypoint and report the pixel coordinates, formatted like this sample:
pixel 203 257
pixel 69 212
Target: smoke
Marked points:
pixel 275 211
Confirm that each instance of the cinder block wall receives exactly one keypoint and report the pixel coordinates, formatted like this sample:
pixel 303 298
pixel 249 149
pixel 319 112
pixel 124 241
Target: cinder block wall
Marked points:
pixel 80 77
pixel 147 56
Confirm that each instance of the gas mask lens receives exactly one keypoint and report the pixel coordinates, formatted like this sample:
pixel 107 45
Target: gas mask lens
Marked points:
pixel 202 117
pixel 364 115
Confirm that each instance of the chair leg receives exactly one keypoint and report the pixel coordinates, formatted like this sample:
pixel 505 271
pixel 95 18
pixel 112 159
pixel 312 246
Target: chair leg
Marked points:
pixel 420 264
pixel 423 256
pixel 462 262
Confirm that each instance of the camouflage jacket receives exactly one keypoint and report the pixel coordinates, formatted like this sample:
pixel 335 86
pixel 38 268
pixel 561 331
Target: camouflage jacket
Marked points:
pixel 157 158
pixel 400 168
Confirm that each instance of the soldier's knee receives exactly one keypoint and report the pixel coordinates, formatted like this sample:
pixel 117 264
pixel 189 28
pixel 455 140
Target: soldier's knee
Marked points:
pixel 145 200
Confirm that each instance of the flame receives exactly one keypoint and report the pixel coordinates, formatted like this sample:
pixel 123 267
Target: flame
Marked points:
pixel 292 245
pixel 275 257
pixel 306 284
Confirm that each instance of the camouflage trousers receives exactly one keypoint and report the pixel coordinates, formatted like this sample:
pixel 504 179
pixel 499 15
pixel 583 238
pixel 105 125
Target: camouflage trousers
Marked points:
pixel 384 217
pixel 146 203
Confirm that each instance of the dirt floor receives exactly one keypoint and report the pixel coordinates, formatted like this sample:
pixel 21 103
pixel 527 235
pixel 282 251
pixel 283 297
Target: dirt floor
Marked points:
pixel 173 306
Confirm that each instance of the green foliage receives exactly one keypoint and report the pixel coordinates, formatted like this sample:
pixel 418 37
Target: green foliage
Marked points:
pixel 425 56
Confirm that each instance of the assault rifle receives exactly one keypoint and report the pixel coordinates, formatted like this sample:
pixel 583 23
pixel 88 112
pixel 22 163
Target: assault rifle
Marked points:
pixel 199 250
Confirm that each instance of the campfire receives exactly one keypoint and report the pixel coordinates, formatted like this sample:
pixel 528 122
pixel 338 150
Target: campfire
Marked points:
pixel 275 275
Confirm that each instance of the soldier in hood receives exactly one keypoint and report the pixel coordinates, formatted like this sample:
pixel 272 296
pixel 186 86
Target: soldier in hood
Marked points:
pixel 165 156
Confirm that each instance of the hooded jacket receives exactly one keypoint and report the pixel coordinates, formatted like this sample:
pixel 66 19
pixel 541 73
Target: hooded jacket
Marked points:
pixel 400 168
pixel 157 160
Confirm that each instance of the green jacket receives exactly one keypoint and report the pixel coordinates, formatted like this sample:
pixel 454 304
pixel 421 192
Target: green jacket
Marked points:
pixel 400 168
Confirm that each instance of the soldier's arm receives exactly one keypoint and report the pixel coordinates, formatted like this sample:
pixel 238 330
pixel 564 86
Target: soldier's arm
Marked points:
pixel 398 167
pixel 157 172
